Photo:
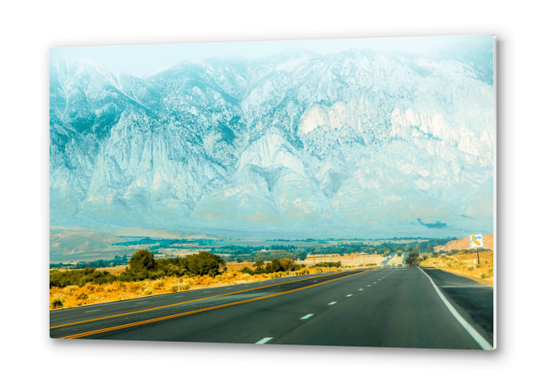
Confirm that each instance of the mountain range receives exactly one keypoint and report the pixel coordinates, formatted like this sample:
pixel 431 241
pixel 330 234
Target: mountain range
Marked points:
pixel 359 143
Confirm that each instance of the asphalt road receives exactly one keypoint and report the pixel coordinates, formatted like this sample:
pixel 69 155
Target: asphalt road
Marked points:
pixel 385 261
pixel 383 307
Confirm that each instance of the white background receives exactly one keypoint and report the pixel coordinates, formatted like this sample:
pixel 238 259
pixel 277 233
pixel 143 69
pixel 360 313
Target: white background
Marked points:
pixel 29 29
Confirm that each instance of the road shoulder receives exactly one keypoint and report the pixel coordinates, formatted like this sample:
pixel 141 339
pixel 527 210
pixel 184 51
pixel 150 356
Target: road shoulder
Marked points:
pixel 471 299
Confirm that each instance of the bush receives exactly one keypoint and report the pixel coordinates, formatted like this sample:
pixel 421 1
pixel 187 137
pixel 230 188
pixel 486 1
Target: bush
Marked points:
pixel 328 264
pixel 57 302
pixel 185 286
pixel 246 276
pixel 148 291
pixel 82 296
pixel 247 270
pixel 483 275
pixel 470 267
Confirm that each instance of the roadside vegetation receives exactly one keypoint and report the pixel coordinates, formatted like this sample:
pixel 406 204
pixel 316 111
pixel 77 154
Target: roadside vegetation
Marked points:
pixel 464 262
pixel 146 276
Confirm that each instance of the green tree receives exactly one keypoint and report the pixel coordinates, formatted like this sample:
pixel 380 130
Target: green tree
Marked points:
pixel 286 264
pixel 204 263
pixel 273 266
pixel 412 258
pixel 142 261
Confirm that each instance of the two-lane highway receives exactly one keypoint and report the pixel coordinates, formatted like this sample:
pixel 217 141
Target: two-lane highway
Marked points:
pixel 381 307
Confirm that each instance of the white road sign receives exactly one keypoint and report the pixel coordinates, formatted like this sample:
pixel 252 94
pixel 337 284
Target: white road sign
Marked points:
pixel 476 241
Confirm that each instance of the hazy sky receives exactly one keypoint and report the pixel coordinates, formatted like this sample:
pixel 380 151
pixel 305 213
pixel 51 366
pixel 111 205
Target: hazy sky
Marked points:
pixel 141 59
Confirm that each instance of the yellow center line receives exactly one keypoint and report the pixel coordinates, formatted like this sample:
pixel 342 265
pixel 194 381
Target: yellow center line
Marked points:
pixel 184 302
pixel 201 310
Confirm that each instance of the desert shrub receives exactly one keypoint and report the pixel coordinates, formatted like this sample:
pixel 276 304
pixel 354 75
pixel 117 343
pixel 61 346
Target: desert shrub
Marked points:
pixel 82 296
pixel 57 302
pixel 185 286
pixel 173 288
pixel 470 267
pixel 79 277
pixel 483 275
pixel 71 289
pixel 158 284
pixel 148 291
pixel 490 271
pixel 328 264
pixel 218 277
pixel 247 270
pixel 264 276
pixel 246 276
pixel 91 288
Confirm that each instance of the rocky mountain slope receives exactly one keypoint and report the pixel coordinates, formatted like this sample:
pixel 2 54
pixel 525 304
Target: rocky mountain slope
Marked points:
pixel 464 243
pixel 357 143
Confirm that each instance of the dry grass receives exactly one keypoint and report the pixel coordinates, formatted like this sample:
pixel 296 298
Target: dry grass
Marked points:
pixel 73 296
pixel 117 270
pixel 234 267
pixel 463 264
pixel 396 260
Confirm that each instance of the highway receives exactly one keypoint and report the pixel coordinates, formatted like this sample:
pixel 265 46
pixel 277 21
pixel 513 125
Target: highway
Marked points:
pixel 382 307
pixel 386 260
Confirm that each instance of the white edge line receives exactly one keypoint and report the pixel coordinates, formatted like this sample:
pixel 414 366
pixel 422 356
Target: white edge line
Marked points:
pixel 475 335
pixel 264 340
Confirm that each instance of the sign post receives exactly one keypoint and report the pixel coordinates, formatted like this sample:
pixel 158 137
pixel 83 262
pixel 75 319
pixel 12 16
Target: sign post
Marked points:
pixel 477 241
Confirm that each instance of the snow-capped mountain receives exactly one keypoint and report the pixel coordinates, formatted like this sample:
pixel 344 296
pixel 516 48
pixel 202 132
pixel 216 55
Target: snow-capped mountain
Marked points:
pixel 357 143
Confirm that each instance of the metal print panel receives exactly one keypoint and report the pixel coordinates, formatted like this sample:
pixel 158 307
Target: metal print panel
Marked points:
pixel 322 192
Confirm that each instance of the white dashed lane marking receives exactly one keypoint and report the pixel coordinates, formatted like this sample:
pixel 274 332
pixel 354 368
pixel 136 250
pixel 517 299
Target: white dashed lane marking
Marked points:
pixel 264 340
pixel 306 316
pixel 332 303
pixel 349 295
pixel 94 310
